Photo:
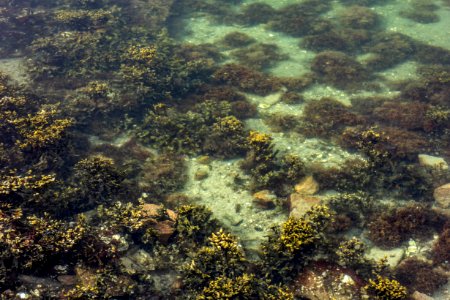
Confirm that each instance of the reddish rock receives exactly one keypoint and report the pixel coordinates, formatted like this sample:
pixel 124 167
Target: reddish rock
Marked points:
pixel 442 196
pixel 150 210
pixel 264 199
pixel 172 215
pixel 307 186
pixel 299 204
pixel 164 229
pixel 177 284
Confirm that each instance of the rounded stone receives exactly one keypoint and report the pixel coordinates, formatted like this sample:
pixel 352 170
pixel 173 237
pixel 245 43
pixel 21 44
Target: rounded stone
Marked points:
pixel 432 161
pixel 264 199
pixel 201 173
pixel 442 196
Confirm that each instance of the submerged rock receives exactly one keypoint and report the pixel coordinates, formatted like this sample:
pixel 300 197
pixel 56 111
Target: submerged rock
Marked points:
pixel 165 228
pixel 322 281
pixel 204 160
pixel 299 204
pixel 393 256
pixel 137 262
pixel 307 186
pixel 420 296
pixel 201 173
pixel 432 161
pixel 265 199
pixel 302 200
pixel 442 196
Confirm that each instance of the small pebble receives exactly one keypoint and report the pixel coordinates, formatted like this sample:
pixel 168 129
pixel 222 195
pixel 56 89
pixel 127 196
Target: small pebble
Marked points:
pixel 259 227
pixel 204 160
pixel 201 173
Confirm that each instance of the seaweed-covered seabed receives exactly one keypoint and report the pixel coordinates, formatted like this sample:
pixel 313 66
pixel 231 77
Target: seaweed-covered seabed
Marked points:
pixel 234 206
pixel 251 224
pixel 203 29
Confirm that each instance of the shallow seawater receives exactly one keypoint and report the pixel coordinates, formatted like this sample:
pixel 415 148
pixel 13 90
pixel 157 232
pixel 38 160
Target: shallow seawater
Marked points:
pixel 214 149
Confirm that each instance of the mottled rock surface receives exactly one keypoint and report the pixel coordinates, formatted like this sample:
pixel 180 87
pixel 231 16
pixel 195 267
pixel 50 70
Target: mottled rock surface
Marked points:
pixel 299 204
pixel 432 161
pixel 264 199
pixel 322 281
pixel 419 296
pixel 442 196
pixel 307 186
pixel 302 200
pixel 165 228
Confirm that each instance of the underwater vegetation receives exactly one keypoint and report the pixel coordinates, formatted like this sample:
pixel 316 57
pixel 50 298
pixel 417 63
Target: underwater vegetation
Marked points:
pixel 352 208
pixel 259 56
pixel 354 28
pixel 388 50
pixel 339 70
pixel 421 11
pixel 237 39
pixel 384 288
pixel 431 88
pixel 209 128
pixel 440 248
pixel 414 221
pixel 420 275
pixel 300 19
pixel 359 17
pixel 162 175
pixel 347 40
pixel 280 122
pixel 220 269
pixel 290 247
pixel 365 2
pixel 257 13
pixel 246 79
pixel 268 170
pixel 97 180
pixel 327 117
pixel 158 71
pixel 384 143
pixel 121 100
